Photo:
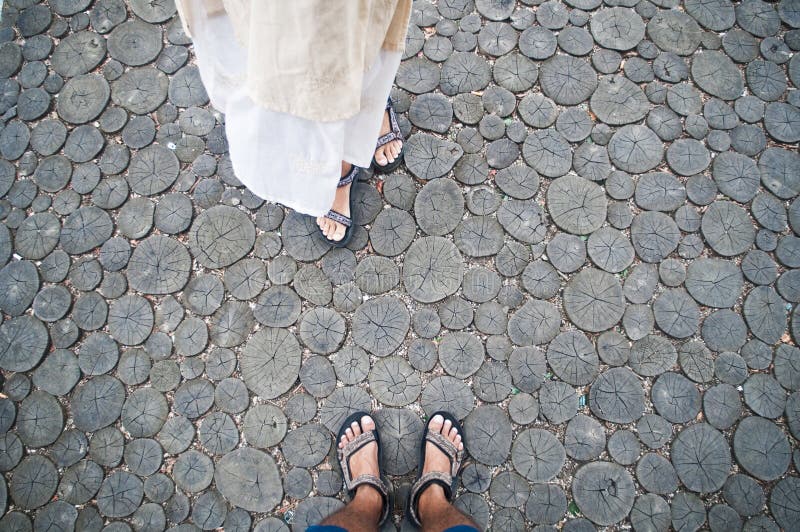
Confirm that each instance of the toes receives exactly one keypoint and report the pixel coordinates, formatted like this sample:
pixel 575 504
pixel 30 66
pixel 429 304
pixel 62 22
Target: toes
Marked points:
pixel 446 429
pixel 327 227
pixel 396 147
pixel 367 424
pixel 380 157
pixel 333 232
pixel 453 433
pixel 356 428
pixel 338 234
pixel 349 433
pixel 320 222
pixel 436 423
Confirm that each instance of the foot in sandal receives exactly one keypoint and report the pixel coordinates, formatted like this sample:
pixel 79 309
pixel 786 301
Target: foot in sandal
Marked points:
pixel 364 461
pixel 336 226
pixel 389 149
pixel 441 458
pixel 359 453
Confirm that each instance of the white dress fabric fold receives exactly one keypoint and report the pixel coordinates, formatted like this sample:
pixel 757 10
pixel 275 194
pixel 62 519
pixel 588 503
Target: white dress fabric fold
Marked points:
pixel 281 157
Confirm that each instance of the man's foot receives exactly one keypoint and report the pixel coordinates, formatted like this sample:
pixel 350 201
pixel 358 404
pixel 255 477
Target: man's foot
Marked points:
pixel 359 447
pixel 341 203
pixel 388 153
pixel 364 461
pixel 436 460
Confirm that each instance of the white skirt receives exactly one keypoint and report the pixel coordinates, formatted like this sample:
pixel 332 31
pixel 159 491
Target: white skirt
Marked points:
pixel 281 157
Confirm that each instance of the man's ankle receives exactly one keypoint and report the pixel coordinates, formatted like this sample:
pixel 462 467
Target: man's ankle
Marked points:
pixel 431 501
pixel 368 495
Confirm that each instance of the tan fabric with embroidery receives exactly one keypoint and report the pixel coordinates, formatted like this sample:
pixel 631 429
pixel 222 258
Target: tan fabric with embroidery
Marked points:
pixel 307 58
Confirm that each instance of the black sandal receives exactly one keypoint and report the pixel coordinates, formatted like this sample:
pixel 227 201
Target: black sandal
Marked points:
pixel 353 447
pixel 338 217
pixel 383 140
pixel 448 481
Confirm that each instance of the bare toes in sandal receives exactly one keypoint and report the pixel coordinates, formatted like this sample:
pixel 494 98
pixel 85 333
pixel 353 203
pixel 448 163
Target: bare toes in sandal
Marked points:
pixel 389 149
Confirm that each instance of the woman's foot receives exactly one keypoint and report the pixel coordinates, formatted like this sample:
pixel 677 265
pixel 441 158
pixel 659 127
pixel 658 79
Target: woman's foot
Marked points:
pixel 434 497
pixel 364 461
pixel 387 153
pixel 341 203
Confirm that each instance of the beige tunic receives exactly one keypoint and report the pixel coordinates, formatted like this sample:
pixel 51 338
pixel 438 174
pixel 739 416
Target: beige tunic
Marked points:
pixel 307 58
pixel 279 156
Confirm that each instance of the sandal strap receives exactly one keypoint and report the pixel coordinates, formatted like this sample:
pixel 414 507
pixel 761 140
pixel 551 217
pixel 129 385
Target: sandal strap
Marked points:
pixel 340 218
pixel 383 140
pixel 448 448
pixel 423 483
pixel 349 177
pixel 370 480
pixel 357 443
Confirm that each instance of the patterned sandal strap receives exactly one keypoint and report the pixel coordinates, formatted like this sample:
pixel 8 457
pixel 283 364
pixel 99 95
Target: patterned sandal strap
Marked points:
pixel 349 177
pixel 340 218
pixel 370 480
pixel 355 444
pixel 449 449
pixel 424 482
pixel 383 140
